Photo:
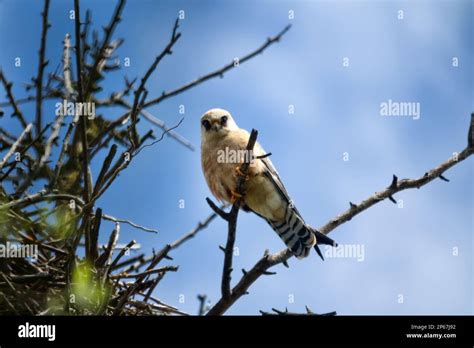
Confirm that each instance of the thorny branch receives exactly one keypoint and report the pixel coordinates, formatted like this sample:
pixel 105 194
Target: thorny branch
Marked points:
pixel 83 129
pixel 12 101
pixel 137 105
pixel 220 72
pixel 15 145
pixel 41 65
pixel 141 260
pixel 23 151
pixel 286 312
pixel 202 304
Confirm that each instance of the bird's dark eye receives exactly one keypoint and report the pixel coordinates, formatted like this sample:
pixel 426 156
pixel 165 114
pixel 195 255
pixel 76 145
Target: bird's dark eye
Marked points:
pixel 224 120
pixel 206 124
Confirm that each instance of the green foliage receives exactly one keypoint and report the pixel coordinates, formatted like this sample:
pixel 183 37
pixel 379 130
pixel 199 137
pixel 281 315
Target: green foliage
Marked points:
pixel 88 293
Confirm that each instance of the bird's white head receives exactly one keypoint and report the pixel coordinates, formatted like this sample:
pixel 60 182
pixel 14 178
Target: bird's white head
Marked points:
pixel 216 123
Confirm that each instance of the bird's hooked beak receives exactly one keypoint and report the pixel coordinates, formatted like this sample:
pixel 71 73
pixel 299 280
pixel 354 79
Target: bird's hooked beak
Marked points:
pixel 215 125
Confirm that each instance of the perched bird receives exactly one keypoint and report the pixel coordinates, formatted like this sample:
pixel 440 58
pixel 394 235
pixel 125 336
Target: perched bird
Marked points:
pixel 223 146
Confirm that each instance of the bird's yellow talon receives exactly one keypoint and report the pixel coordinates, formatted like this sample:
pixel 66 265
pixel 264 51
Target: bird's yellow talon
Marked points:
pixel 235 196
pixel 240 173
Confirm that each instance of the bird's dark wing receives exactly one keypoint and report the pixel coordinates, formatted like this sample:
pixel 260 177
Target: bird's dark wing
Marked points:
pixel 272 174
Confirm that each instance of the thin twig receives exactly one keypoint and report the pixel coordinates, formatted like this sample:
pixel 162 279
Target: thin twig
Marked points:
pixel 146 273
pixel 23 152
pixel 140 261
pixel 42 195
pixel 202 304
pixel 123 163
pixel 12 101
pixel 131 223
pixel 105 167
pixel 15 145
pixel 101 54
pixel 45 157
pixel 157 122
pixel 41 65
pixel 141 88
pixel 85 227
pixel 286 312
pixel 218 73
pixel 122 252
pixel 105 259
pixel 67 67
pixel 64 148
pixel 200 226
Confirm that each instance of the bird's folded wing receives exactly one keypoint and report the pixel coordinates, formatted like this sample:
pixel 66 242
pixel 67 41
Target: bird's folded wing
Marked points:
pixel 272 174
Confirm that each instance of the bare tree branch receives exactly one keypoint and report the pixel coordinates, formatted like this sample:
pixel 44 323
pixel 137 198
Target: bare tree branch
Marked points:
pixel 140 260
pixel 24 150
pixel 122 252
pixel 67 66
pixel 159 123
pixel 141 88
pixel 101 54
pixel 123 163
pixel 85 227
pixel 12 101
pixel 15 145
pixel 64 148
pixel 395 186
pixel 218 73
pixel 45 156
pixel 147 273
pixel 200 226
pixel 105 167
pixel 43 195
pixel 131 223
pixel 105 259
pixel 309 312
pixel 202 304
pixel 41 65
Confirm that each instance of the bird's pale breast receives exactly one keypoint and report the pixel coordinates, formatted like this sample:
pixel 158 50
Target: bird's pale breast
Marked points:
pixel 221 177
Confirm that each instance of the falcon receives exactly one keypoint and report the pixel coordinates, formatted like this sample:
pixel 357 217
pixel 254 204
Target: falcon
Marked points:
pixel 222 146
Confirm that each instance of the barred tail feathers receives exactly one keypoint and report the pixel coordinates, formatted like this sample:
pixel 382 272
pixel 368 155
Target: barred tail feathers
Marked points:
pixel 294 232
pixel 298 236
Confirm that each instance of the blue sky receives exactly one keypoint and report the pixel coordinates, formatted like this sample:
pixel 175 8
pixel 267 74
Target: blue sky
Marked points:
pixel 408 251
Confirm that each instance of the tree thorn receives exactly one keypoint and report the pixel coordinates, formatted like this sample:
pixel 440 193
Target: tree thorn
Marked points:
pixel 268 273
pixel 443 178
pixel 393 185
